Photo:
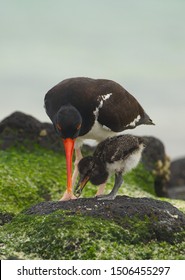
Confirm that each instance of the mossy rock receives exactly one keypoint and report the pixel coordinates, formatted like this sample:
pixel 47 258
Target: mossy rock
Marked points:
pixel 154 219
pixel 28 177
pixel 127 228
pixel 91 229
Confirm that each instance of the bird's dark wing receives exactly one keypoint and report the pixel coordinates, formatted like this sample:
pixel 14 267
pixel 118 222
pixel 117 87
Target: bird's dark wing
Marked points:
pixel 116 148
pixel 121 110
pixel 100 99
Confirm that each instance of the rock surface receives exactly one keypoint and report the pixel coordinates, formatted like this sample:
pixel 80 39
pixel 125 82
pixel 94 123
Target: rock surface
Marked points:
pixel 22 129
pixel 176 184
pixel 155 160
pixel 164 219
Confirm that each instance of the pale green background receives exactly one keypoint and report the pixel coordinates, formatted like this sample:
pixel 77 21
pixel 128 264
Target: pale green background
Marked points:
pixel 138 43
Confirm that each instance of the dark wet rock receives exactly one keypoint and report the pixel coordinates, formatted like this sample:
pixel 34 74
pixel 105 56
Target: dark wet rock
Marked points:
pixel 177 169
pixel 157 161
pixel 22 129
pixel 18 120
pixel 163 219
pixel 153 152
pixel 176 184
pixel 5 218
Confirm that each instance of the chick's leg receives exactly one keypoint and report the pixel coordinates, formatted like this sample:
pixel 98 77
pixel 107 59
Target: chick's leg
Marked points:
pixel 117 185
pixel 101 189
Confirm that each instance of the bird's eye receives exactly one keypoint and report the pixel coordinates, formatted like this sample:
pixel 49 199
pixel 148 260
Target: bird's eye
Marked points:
pixel 58 126
pixel 78 126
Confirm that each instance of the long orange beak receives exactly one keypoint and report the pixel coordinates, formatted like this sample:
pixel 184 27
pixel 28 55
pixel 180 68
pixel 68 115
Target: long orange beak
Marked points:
pixel 69 148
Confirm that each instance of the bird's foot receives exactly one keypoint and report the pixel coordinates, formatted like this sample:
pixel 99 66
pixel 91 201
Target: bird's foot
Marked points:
pixel 68 196
pixel 106 197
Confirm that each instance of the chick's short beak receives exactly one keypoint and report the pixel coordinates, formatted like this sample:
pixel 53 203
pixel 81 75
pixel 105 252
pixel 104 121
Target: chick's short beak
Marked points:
pixel 80 185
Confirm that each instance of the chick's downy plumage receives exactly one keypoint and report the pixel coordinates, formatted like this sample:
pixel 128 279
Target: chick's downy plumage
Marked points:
pixel 116 155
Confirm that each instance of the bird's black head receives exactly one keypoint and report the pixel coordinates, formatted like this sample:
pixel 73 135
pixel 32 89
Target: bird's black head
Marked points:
pixel 67 122
pixel 90 169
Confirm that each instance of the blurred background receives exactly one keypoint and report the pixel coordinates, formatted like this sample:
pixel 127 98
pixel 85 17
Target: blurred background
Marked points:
pixel 139 44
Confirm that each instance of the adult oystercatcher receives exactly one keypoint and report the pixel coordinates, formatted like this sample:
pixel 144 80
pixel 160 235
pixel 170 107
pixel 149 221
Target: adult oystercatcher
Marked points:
pixel 116 155
pixel 85 108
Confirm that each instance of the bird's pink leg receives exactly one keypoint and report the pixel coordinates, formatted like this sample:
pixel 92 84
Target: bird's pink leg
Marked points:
pixel 78 157
pixel 69 195
pixel 101 189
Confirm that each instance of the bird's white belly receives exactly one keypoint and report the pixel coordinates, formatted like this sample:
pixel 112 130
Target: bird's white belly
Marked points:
pixel 117 166
pixel 125 165
pixel 132 161
pixel 98 132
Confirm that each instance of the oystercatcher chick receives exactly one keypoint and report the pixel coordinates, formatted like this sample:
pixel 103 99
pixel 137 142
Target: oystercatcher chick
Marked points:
pixel 84 108
pixel 116 155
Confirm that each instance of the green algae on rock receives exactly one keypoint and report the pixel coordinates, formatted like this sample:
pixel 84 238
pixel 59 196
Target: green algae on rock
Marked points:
pixel 96 230
pixel 32 177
